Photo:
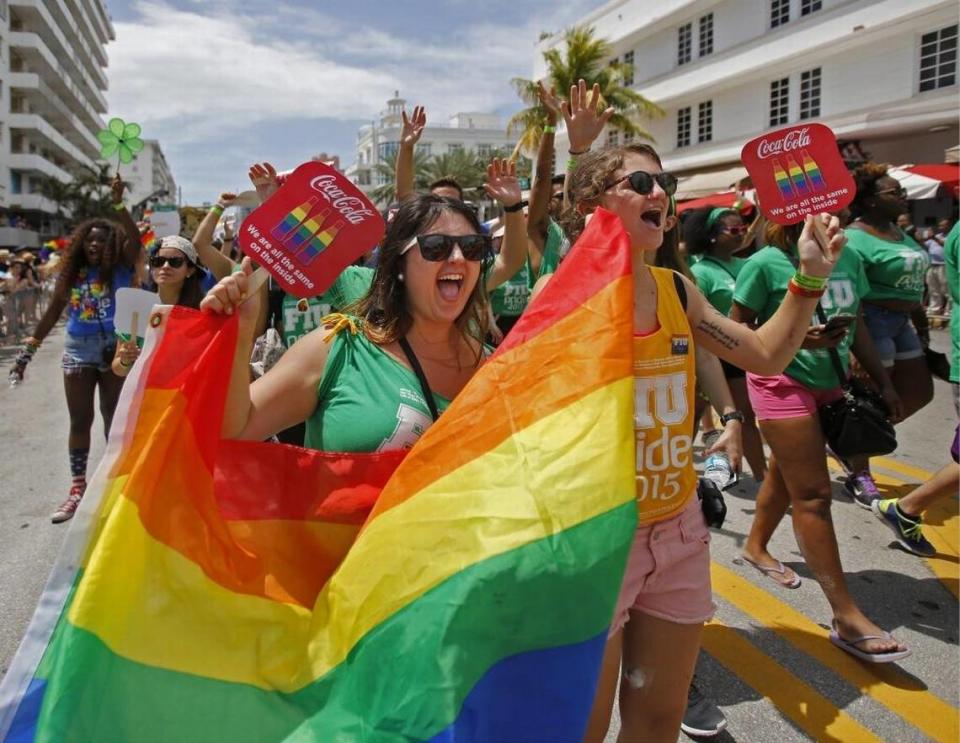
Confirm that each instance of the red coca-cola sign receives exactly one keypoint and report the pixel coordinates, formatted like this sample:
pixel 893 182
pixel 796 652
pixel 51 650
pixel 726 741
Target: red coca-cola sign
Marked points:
pixel 313 227
pixel 798 171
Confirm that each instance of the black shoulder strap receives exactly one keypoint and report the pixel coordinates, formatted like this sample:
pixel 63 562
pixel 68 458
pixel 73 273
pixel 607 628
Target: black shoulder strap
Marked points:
pixel 681 290
pixel 418 370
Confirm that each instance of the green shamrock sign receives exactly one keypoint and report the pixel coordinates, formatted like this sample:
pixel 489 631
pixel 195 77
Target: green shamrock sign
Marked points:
pixel 121 139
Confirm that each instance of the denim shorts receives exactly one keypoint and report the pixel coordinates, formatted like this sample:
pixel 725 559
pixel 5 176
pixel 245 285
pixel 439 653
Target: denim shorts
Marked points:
pixel 892 334
pixel 86 352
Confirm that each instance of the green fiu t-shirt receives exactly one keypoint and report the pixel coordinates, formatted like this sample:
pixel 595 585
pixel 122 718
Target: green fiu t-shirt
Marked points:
pixel 367 401
pixel 716 279
pixel 300 316
pixel 896 270
pixel 762 285
pixel 951 253
pixel 511 297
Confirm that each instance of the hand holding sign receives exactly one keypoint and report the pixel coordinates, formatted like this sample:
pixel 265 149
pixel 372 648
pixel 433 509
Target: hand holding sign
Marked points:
pixel 314 226
pixel 820 245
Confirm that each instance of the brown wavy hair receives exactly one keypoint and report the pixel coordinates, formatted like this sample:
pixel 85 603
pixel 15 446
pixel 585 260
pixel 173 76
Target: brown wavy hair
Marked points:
pixel 76 259
pixel 383 310
pixel 782 236
pixel 592 177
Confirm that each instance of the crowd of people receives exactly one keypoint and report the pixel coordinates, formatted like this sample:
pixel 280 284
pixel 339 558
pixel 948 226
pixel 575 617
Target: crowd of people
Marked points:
pixel 763 306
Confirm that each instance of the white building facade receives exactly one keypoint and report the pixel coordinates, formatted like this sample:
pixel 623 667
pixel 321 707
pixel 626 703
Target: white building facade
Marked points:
pixel 482 133
pixel 52 83
pixel 148 177
pixel 881 73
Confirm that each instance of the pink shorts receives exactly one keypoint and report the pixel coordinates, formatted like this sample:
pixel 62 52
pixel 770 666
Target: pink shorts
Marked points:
pixel 668 571
pixel 779 397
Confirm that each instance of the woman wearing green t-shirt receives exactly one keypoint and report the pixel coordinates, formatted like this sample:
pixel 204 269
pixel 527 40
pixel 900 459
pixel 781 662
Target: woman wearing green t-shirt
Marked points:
pixel 896 268
pixel 786 408
pixel 715 234
pixel 356 387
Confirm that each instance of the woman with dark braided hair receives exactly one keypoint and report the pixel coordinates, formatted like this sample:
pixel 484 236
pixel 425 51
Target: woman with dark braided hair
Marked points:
pixel 896 269
pixel 100 259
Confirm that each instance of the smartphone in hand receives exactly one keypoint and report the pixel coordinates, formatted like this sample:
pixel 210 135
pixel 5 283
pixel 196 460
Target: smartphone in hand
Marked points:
pixel 837 322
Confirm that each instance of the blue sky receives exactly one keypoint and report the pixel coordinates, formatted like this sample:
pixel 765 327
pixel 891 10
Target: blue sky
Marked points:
pixel 223 84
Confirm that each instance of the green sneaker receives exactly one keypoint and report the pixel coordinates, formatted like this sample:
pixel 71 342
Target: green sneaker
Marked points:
pixel 909 533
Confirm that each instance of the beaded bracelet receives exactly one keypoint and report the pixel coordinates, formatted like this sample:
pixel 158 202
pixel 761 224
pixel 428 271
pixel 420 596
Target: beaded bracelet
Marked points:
pixel 813 283
pixel 794 288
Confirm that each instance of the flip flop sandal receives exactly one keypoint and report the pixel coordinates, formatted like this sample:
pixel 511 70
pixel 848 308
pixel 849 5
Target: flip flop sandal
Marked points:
pixel 771 571
pixel 850 646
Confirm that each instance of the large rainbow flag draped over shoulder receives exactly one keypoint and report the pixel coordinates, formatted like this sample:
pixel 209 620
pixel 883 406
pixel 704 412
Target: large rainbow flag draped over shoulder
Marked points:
pixel 234 591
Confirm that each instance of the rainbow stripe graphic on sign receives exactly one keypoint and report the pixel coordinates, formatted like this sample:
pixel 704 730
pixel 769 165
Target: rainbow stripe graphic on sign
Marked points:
pixel 812 170
pixel 796 176
pixel 293 219
pixel 300 236
pixel 318 243
pixel 783 180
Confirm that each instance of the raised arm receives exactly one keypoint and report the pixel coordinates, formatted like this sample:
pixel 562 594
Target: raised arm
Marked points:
pixel 410 134
pixel 132 245
pixel 284 396
pixel 542 190
pixel 768 349
pixel 263 176
pixel 502 185
pixel 219 264
pixel 584 123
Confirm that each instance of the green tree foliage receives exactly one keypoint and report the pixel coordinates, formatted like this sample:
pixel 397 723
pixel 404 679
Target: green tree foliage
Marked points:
pixel 586 57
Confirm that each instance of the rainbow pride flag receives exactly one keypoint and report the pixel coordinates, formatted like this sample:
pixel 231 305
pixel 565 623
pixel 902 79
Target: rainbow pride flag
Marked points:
pixel 214 590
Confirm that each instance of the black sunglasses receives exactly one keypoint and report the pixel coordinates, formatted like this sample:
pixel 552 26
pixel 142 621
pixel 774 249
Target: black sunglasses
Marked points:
pixel 898 191
pixel 642 182
pixel 439 247
pixel 157 261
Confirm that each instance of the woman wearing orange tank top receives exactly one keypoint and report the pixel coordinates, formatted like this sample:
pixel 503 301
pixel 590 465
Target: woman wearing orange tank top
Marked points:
pixel 666 597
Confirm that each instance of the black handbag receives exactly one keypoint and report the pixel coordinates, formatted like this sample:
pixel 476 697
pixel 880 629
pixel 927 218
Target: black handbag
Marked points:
pixel 858 423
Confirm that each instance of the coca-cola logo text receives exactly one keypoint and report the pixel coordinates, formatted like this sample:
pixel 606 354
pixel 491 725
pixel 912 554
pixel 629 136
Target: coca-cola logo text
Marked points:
pixel 792 140
pixel 353 209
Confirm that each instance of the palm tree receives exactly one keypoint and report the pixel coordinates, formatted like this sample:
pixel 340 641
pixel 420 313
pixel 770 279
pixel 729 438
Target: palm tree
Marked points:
pixel 587 58
pixel 386 171
pixel 465 167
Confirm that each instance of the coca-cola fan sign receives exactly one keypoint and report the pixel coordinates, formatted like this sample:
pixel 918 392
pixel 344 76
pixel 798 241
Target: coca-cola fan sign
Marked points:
pixel 798 171
pixel 313 227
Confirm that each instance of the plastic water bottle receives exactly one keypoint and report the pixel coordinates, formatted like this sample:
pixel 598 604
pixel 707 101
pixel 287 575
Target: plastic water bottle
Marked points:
pixel 717 468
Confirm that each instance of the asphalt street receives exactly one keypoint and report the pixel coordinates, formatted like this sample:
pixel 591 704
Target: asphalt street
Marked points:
pixel 766 658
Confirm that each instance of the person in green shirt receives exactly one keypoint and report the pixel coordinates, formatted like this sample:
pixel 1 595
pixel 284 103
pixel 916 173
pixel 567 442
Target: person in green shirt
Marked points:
pixel 904 516
pixel 896 269
pixel 715 234
pixel 786 407
pixel 354 381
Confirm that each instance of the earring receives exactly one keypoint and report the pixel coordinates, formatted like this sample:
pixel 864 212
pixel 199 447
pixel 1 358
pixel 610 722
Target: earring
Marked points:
pixel 400 277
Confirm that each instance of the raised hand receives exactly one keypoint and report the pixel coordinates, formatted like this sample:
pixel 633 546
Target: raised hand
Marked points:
pixel 413 125
pixel 584 124
pixel 263 176
pixel 820 245
pixel 502 183
pixel 226 199
pixel 549 100
pixel 117 187
pixel 234 293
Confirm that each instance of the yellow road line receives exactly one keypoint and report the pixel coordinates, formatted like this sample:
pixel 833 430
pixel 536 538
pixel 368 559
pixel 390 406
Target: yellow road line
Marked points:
pixel 902 468
pixel 893 688
pixel 798 701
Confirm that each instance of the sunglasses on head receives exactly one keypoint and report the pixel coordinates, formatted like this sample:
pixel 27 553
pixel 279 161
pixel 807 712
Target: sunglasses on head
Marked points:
pixel 642 182
pixel 439 247
pixel 157 261
pixel 898 191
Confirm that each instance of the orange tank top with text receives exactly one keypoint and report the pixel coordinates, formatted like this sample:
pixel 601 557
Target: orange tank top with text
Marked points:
pixel 664 378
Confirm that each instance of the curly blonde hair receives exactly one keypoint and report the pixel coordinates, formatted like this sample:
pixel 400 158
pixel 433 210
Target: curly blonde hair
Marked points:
pixel 592 177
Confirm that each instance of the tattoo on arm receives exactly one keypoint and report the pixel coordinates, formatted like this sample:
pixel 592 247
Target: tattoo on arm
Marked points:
pixel 713 330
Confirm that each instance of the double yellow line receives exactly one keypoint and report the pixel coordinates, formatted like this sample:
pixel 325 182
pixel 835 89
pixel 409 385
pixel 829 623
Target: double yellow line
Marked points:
pixel 798 700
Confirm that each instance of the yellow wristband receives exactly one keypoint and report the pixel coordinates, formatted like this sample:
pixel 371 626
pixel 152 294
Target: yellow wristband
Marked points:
pixel 119 206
